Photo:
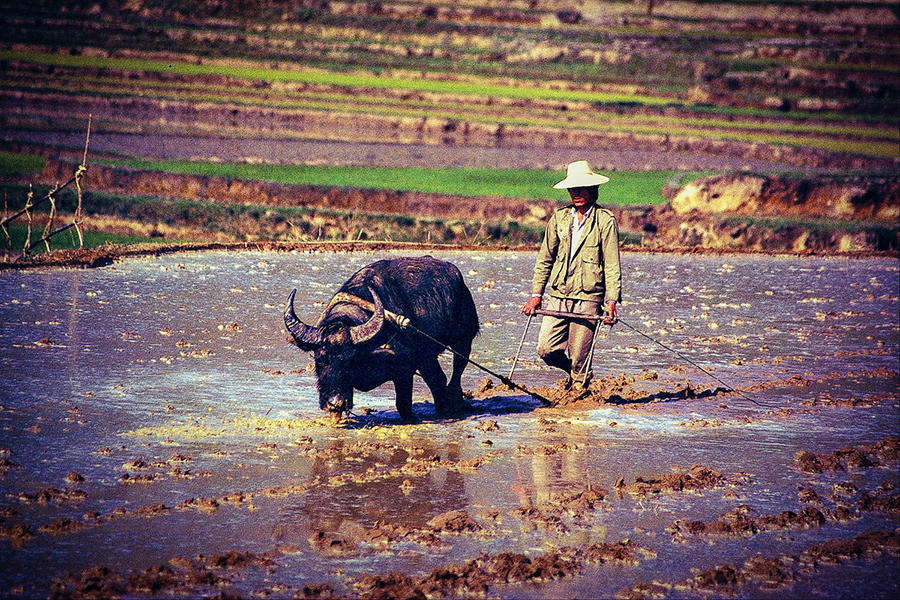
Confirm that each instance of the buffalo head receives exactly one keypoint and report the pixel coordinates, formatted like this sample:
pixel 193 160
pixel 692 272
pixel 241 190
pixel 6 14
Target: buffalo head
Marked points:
pixel 342 332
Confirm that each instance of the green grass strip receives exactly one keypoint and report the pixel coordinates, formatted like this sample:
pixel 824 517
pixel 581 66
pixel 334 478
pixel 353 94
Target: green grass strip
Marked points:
pixel 20 164
pixel 373 104
pixel 830 138
pixel 67 240
pixel 625 187
pixel 362 80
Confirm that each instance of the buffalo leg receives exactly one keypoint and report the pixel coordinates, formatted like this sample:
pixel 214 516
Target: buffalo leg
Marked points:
pixel 454 388
pixel 436 381
pixel 403 387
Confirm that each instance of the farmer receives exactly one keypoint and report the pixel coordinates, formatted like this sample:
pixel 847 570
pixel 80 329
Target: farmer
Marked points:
pixel 579 262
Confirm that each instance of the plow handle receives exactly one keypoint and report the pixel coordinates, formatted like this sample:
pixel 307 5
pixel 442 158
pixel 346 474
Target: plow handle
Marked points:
pixel 568 315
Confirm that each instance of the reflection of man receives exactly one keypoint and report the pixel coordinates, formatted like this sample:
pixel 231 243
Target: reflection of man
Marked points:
pixel 579 262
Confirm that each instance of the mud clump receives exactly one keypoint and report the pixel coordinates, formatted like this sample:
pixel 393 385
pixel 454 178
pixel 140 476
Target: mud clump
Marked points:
pixel 6 465
pixel 18 534
pixel 203 576
pixel 723 578
pixel 234 560
pixel 352 539
pixel 809 496
pixel 868 543
pixel 738 522
pixel 817 463
pixel 867 455
pixel 773 573
pixel 626 552
pixel 475 577
pixel 101 582
pixel 515 568
pixel 453 521
pixel 64 525
pixel 583 502
pixel 623 390
pixel 697 478
pixel 331 544
pixel 53 495
pixel 806 518
pixel 853 401
pixel 884 502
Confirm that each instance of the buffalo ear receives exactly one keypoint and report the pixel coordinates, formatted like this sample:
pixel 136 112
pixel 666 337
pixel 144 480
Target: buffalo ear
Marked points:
pixel 306 338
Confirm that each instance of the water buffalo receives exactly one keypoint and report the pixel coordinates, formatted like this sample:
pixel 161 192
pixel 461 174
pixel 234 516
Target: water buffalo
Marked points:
pixel 360 341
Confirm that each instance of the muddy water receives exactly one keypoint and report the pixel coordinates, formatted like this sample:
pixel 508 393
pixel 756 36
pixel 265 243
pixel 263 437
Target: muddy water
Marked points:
pixel 153 414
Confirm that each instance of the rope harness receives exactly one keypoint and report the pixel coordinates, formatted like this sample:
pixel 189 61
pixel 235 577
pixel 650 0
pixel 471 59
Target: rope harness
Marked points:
pixel 404 323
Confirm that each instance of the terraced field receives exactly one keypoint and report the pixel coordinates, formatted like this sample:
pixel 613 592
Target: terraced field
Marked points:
pixel 815 83
pixel 807 87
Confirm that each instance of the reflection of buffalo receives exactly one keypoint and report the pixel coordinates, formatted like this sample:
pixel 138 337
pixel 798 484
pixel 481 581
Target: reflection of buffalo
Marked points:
pixel 378 483
pixel 360 342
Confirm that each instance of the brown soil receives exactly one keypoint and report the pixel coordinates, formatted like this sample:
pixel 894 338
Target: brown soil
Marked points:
pixel 850 458
pixel 185 577
pixel 722 213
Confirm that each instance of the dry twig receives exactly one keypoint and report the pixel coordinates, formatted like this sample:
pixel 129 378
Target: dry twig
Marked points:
pixel 49 232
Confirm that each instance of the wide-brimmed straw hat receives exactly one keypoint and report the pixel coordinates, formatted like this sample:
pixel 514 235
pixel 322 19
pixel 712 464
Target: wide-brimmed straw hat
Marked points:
pixel 579 174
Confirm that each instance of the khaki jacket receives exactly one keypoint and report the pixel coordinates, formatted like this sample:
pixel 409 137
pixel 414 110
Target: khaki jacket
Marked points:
pixel 594 272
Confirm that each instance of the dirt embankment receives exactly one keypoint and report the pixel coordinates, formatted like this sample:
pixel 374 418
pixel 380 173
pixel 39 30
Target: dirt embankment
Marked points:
pixel 829 197
pixel 746 211
pixel 172 117
pixel 734 212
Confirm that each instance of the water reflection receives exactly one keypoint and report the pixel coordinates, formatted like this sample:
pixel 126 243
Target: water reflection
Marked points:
pixel 349 485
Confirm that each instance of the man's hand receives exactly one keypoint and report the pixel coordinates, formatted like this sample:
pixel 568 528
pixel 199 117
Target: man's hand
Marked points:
pixel 611 315
pixel 531 305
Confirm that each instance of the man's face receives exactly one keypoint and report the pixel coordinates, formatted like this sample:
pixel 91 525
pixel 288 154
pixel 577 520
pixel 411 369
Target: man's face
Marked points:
pixel 583 196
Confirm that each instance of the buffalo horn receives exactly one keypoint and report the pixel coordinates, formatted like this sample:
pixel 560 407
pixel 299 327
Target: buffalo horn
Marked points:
pixel 368 330
pixel 307 337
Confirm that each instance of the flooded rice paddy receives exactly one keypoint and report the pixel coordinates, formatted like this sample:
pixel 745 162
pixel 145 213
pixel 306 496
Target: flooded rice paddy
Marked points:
pixel 159 436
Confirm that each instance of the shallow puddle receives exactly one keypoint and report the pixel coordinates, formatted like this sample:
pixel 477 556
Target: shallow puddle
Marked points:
pixel 154 414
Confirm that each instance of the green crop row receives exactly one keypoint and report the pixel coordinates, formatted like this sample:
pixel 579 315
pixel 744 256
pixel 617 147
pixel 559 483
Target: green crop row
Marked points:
pixel 838 135
pixel 67 240
pixel 625 188
pixel 18 164
pixel 258 72
pixel 641 123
